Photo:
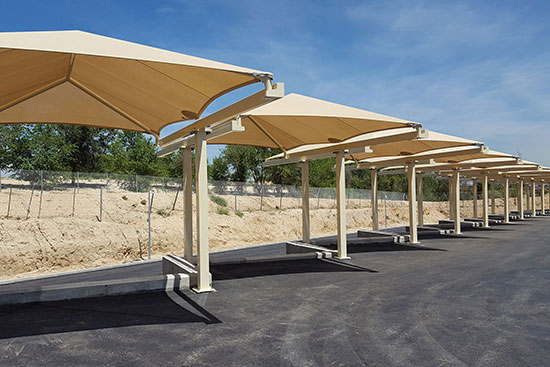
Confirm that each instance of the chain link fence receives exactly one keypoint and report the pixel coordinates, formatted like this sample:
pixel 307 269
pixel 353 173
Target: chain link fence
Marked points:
pixel 25 194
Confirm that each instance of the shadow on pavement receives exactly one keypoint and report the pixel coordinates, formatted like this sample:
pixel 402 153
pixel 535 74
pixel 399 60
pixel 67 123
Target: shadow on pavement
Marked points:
pixel 99 313
pixel 267 268
pixel 379 247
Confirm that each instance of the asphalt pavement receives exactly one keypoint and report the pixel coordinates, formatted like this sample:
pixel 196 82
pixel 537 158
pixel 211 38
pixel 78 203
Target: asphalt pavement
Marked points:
pixel 479 299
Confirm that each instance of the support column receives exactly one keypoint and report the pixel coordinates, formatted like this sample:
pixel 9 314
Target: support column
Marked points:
pixel 413 230
pixel 527 197
pixel 542 204
pixel 188 204
pixel 201 187
pixel 305 202
pixel 493 198
pixel 506 200
pixel 374 199
pixel 451 199
pixel 456 202
pixel 475 197
pixel 534 198
pixel 341 206
pixel 485 193
pixel 520 197
pixel 420 200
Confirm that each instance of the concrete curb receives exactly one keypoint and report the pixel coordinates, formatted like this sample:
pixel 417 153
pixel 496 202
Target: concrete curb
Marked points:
pixel 81 271
pixel 96 289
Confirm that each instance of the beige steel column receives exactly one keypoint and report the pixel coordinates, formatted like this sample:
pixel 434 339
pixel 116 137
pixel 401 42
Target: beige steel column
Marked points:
pixel 188 204
pixel 485 193
pixel 527 197
pixel 451 199
pixel 413 230
pixel 520 197
pixel 493 199
pixel 305 202
pixel 542 204
pixel 534 197
pixel 341 206
pixel 201 187
pixel 506 199
pixel 456 202
pixel 475 197
pixel 374 199
pixel 420 201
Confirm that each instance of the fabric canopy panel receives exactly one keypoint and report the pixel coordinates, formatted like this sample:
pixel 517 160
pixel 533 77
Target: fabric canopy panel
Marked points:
pixel 74 77
pixel 295 120
pixel 439 159
pixel 428 140
pixel 432 141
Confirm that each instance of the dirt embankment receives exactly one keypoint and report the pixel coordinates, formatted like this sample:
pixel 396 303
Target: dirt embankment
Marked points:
pixel 57 241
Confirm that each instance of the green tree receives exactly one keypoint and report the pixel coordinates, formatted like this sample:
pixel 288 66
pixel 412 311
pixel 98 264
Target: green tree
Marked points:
pixel 219 169
pixel 133 153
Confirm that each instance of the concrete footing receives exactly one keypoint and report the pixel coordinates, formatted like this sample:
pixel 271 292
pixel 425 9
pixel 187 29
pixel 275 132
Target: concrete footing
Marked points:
pixel 372 236
pixel 294 247
pixel 96 289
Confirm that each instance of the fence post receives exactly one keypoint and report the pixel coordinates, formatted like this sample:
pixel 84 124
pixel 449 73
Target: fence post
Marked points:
pixel 136 183
pixel 30 202
pixel 9 204
pixel 150 199
pixel 261 196
pixel 281 200
pixel 100 203
pixel 41 192
pixel 385 211
pixel 235 195
pixel 107 182
pixel 78 181
pixel 175 200
pixel 318 197
pixel 74 199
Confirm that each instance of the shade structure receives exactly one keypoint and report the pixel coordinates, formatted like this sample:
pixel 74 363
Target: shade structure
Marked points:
pixel 79 78
pixel 296 120
pixel 401 142
pixel 430 160
pixel 431 141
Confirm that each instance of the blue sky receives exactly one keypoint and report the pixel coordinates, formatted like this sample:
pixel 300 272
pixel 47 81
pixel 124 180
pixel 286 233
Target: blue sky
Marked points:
pixel 477 69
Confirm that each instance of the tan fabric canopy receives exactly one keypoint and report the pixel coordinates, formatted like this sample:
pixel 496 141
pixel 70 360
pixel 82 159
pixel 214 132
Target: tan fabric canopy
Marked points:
pixel 74 77
pixel 381 145
pixel 432 141
pixel 295 120
pixel 437 158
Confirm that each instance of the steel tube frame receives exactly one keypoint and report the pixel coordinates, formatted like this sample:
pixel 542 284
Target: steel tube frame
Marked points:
pixel 201 177
pixel 374 199
pixel 305 202
pixel 187 154
pixel 456 200
pixel 420 200
pixel 534 198
pixel 485 189
pixel 474 184
pixel 506 200
pixel 341 206
pixel 520 201
pixel 413 230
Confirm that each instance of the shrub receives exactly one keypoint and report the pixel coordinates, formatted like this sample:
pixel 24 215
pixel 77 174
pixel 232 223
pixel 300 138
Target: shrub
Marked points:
pixel 223 211
pixel 239 214
pixel 143 202
pixel 124 197
pixel 218 200
pixel 162 212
